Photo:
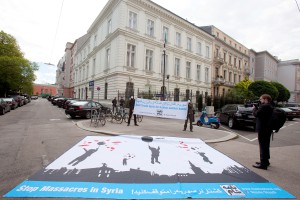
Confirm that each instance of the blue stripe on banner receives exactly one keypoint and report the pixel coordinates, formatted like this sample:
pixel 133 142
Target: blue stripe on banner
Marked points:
pixel 147 191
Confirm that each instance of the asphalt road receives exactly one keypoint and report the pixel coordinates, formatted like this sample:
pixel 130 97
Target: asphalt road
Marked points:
pixel 36 134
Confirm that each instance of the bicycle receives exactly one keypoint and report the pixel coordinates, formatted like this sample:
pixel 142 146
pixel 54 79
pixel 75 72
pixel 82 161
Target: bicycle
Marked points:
pixel 96 117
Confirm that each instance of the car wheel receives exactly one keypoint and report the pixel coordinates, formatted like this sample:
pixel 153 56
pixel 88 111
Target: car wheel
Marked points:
pixel 88 115
pixel 231 123
pixel 199 123
pixel 290 118
pixel 72 116
pixel 2 112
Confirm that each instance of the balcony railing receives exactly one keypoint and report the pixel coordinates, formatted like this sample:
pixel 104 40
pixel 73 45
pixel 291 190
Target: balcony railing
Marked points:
pixel 219 81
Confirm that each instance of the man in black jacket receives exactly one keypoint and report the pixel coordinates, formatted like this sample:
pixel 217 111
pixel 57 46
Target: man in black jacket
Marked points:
pixel 131 109
pixel 263 114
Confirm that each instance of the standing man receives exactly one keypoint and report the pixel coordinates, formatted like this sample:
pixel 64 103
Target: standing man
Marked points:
pixel 131 109
pixel 189 116
pixel 114 105
pixel 263 113
pixel 122 103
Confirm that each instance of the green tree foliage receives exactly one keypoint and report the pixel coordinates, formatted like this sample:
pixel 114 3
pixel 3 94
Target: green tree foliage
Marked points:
pixel 240 91
pixel 16 72
pixel 283 92
pixel 259 88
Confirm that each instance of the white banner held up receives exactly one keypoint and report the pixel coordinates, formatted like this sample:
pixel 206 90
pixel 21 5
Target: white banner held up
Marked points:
pixel 164 109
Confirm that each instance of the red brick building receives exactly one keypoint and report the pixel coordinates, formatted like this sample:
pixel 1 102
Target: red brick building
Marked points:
pixel 39 89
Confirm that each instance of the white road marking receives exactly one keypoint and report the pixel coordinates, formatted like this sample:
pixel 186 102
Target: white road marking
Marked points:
pixel 54 119
pixel 251 140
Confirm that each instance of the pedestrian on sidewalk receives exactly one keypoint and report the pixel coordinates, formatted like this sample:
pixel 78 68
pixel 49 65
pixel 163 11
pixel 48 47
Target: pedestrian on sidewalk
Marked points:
pixel 263 113
pixel 114 105
pixel 189 116
pixel 122 104
pixel 131 109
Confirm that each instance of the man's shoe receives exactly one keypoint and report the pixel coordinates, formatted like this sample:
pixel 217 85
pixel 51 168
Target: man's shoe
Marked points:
pixel 261 167
pixel 128 124
pixel 191 130
pixel 136 125
pixel 183 130
pixel 258 163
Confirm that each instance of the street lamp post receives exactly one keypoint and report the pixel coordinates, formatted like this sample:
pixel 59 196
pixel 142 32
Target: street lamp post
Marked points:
pixel 164 74
pixel 168 77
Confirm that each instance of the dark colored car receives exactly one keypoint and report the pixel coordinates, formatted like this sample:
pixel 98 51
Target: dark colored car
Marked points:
pixel 4 107
pixel 83 109
pixel 69 102
pixel 18 99
pixel 236 115
pixel 291 114
pixel 12 103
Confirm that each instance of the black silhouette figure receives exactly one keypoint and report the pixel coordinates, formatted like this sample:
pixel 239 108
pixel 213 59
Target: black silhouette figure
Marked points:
pixel 205 158
pixel 125 161
pixel 154 154
pixel 83 156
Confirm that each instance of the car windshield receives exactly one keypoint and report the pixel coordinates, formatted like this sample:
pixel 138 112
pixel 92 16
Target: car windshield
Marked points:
pixel 80 103
pixel 7 99
pixel 243 108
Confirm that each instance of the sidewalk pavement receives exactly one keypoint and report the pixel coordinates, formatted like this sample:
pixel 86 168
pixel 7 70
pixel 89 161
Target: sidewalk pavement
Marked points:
pixel 151 126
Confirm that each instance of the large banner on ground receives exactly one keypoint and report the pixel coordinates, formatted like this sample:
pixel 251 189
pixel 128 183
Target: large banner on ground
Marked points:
pixel 135 167
pixel 164 109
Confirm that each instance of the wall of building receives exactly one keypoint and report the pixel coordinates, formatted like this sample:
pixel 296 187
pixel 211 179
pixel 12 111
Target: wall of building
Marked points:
pixel 117 74
pixel 39 89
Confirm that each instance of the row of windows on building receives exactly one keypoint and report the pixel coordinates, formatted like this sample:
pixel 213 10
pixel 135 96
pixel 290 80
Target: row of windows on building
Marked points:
pixel 227 58
pixel 150 32
pixel 83 72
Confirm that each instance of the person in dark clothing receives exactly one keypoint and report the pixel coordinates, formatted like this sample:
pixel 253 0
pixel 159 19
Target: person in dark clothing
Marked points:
pixel 263 114
pixel 114 105
pixel 189 116
pixel 131 109
pixel 122 104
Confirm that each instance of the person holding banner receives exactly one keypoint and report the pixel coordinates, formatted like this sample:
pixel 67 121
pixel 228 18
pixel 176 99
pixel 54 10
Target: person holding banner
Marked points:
pixel 131 108
pixel 189 116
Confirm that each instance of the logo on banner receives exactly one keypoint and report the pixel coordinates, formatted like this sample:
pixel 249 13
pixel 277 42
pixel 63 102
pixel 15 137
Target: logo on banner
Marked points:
pixel 232 190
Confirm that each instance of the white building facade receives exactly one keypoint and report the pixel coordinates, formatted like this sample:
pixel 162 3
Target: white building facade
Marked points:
pixel 265 66
pixel 124 54
pixel 289 76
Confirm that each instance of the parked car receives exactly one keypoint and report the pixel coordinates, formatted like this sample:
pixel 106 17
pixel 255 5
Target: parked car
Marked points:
pixel 69 102
pixel 12 103
pixel 235 115
pixel 34 97
pixel 18 99
pixel 83 109
pixel 291 114
pixel 4 107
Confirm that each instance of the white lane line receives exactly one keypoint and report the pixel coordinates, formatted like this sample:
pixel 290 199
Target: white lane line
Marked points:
pixel 251 140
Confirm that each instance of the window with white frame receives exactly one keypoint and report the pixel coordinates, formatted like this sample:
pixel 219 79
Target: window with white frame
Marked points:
pixel 234 78
pixel 149 60
pixel 206 74
pixel 131 55
pixel 165 34
pixel 150 28
pixel 188 70
pixel 178 39
pixel 132 20
pixel 177 67
pixel 95 40
pixel 189 44
pixel 107 57
pixel 225 74
pixel 83 73
pixel 198 78
pixel 109 26
pixel 87 71
pixel 166 64
pixel 94 66
pixel 230 77
pixel 199 48
pixel 207 52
